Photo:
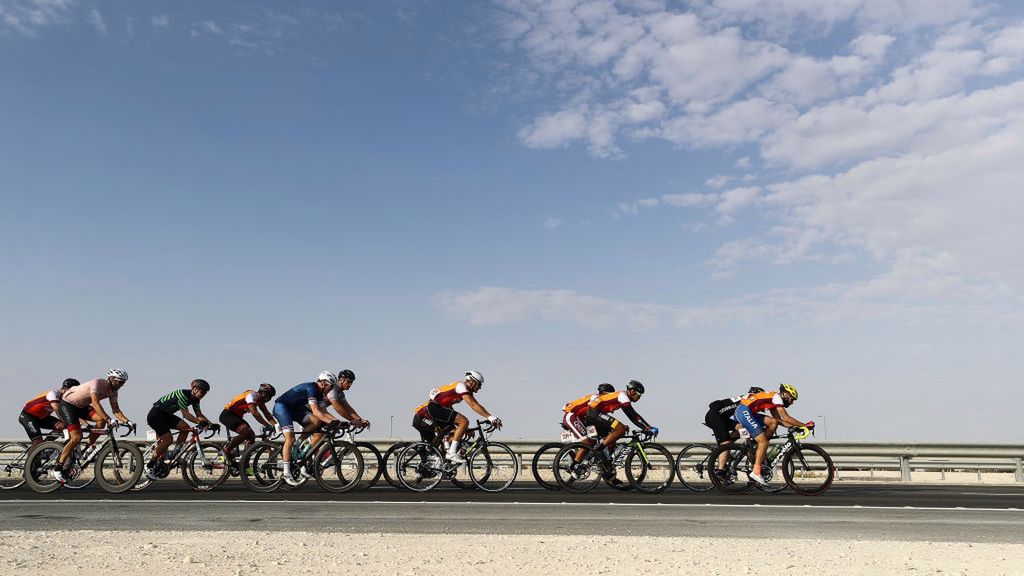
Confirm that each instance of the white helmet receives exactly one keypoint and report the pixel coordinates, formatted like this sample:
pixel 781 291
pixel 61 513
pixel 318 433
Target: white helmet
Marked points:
pixel 329 377
pixel 474 375
pixel 118 374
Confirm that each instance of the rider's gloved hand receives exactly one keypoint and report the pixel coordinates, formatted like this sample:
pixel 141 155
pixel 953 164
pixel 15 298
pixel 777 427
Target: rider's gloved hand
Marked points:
pixel 652 430
pixel 269 430
pixel 494 420
pixel 810 424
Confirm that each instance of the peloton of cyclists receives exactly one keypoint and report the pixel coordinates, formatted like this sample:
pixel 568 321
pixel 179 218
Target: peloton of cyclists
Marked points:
pixel 761 427
pixel 439 409
pixel 162 420
pixel 82 402
pixel 43 412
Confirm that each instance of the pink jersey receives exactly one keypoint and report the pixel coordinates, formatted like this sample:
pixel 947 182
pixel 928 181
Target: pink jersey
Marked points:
pixel 81 395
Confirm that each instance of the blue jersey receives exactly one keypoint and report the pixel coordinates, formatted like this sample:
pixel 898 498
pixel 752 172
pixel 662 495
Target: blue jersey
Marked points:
pixel 300 396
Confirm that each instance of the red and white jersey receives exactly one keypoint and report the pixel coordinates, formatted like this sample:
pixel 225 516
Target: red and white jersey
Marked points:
pixel 421 410
pixel 450 394
pixel 579 406
pixel 610 402
pixel 40 405
pixel 763 401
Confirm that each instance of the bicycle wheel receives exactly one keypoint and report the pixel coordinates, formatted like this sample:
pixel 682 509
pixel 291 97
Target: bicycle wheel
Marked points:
pixel 577 477
pixel 694 467
pixel 650 468
pixel 118 469
pixel 390 462
pixel 39 462
pixel 206 467
pixel 12 465
pixel 260 467
pixel 144 480
pixel 337 466
pixel 733 478
pixel 494 467
pixel 373 465
pixel 808 469
pixel 543 465
pixel 419 467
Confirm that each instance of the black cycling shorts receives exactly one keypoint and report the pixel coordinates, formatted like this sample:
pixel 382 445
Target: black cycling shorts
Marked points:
pixel 426 427
pixel 231 421
pixel 600 420
pixel 72 414
pixel 34 426
pixel 161 422
pixel 722 427
pixel 441 414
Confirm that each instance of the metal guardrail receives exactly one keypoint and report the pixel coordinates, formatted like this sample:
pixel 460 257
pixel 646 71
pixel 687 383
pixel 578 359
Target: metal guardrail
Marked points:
pixel 850 457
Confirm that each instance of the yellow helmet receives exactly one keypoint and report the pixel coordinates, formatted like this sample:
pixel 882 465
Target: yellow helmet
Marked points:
pixel 789 389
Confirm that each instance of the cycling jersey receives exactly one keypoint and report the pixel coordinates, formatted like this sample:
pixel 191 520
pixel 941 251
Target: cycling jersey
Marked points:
pixel 604 404
pixel 609 402
pixel 81 396
pixel 239 405
pixel 40 406
pixel 579 406
pixel 177 400
pixel 301 395
pixel 763 401
pixel 335 395
pixel 421 410
pixel 450 394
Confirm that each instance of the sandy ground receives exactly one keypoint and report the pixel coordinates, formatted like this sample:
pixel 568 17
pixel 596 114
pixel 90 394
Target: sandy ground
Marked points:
pixel 262 553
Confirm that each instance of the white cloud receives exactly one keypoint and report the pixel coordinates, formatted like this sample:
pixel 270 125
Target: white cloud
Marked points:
pixel 96 19
pixel 160 21
pixel 552 223
pixel 205 28
pixel 29 16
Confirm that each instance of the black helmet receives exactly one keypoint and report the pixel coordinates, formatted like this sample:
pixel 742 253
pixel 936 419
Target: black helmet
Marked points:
pixel 605 388
pixel 201 384
pixel 69 383
pixel 267 391
pixel 636 386
pixel 347 374
pixel 755 390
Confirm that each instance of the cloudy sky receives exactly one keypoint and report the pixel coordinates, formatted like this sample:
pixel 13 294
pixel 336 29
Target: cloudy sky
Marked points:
pixel 701 194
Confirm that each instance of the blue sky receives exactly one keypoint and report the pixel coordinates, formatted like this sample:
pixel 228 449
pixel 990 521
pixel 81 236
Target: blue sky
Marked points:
pixel 704 195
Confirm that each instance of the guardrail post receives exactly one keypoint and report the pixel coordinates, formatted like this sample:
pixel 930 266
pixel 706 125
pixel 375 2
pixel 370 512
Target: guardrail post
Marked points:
pixel 904 468
pixel 1019 476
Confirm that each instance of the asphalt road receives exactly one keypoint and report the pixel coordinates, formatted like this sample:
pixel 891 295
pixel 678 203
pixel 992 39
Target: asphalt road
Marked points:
pixel 859 512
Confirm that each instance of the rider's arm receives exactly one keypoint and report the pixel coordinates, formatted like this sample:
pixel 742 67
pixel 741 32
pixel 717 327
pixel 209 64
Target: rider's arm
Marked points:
pixel 56 411
pixel 101 414
pixel 114 407
pixel 188 415
pixel 199 414
pixel 259 418
pixel 634 417
pixel 780 414
pixel 471 401
pixel 346 410
pixel 320 413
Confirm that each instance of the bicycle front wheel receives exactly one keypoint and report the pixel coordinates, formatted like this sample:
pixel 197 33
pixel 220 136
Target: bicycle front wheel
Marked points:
pixel 373 465
pixel 12 465
pixel 543 465
pixel 118 469
pixel 206 467
pixel 260 467
pixel 338 466
pixel 577 477
pixel 733 479
pixel 808 469
pixel 39 463
pixel 420 467
pixel 694 467
pixel 650 468
pixel 494 467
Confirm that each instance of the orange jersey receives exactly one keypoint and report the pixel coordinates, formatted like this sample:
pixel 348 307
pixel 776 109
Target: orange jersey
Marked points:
pixel 763 401
pixel 40 405
pixel 421 410
pixel 580 405
pixel 240 404
pixel 610 402
pixel 450 394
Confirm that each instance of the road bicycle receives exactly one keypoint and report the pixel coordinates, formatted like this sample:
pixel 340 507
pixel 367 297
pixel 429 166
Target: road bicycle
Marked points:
pixel 115 464
pixel 336 465
pixel 543 463
pixel 490 466
pixel 806 468
pixel 201 463
pixel 649 466
pixel 694 468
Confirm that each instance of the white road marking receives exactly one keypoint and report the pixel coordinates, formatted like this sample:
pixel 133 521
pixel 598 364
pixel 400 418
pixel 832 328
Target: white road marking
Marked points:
pixel 469 503
pixel 992 494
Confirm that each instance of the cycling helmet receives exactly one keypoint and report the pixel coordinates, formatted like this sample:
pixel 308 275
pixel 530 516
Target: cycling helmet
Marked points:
pixel 69 383
pixel 201 384
pixel 474 375
pixel 118 374
pixel 347 374
pixel 755 390
pixel 636 386
pixel 605 388
pixel 267 391
pixel 328 377
pixel 788 388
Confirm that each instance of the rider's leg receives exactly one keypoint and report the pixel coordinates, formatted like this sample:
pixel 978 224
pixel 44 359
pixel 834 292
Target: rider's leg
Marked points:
pixel 762 449
pixel 243 433
pixel 461 423
pixel 286 448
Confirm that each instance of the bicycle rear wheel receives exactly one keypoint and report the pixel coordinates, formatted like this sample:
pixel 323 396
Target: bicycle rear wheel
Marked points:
pixel 577 477
pixel 39 462
pixel 260 467
pixel 207 470
pixel 118 469
pixel 808 469
pixel 373 465
pixel 12 465
pixel 419 467
pixel 694 467
pixel 543 465
pixel 389 465
pixel 337 466
pixel 650 468
pixel 733 479
pixel 494 467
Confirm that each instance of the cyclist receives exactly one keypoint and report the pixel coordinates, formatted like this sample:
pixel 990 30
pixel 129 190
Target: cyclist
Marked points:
pixel 336 399
pixel 302 404
pixel 761 427
pixel 38 413
pixel 598 415
pixel 162 420
pixel 574 411
pixel 719 418
pixel 439 409
pixel 233 415
pixel 82 402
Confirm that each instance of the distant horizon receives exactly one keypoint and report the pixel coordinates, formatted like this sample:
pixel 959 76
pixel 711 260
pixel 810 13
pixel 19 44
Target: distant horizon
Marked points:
pixel 703 195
